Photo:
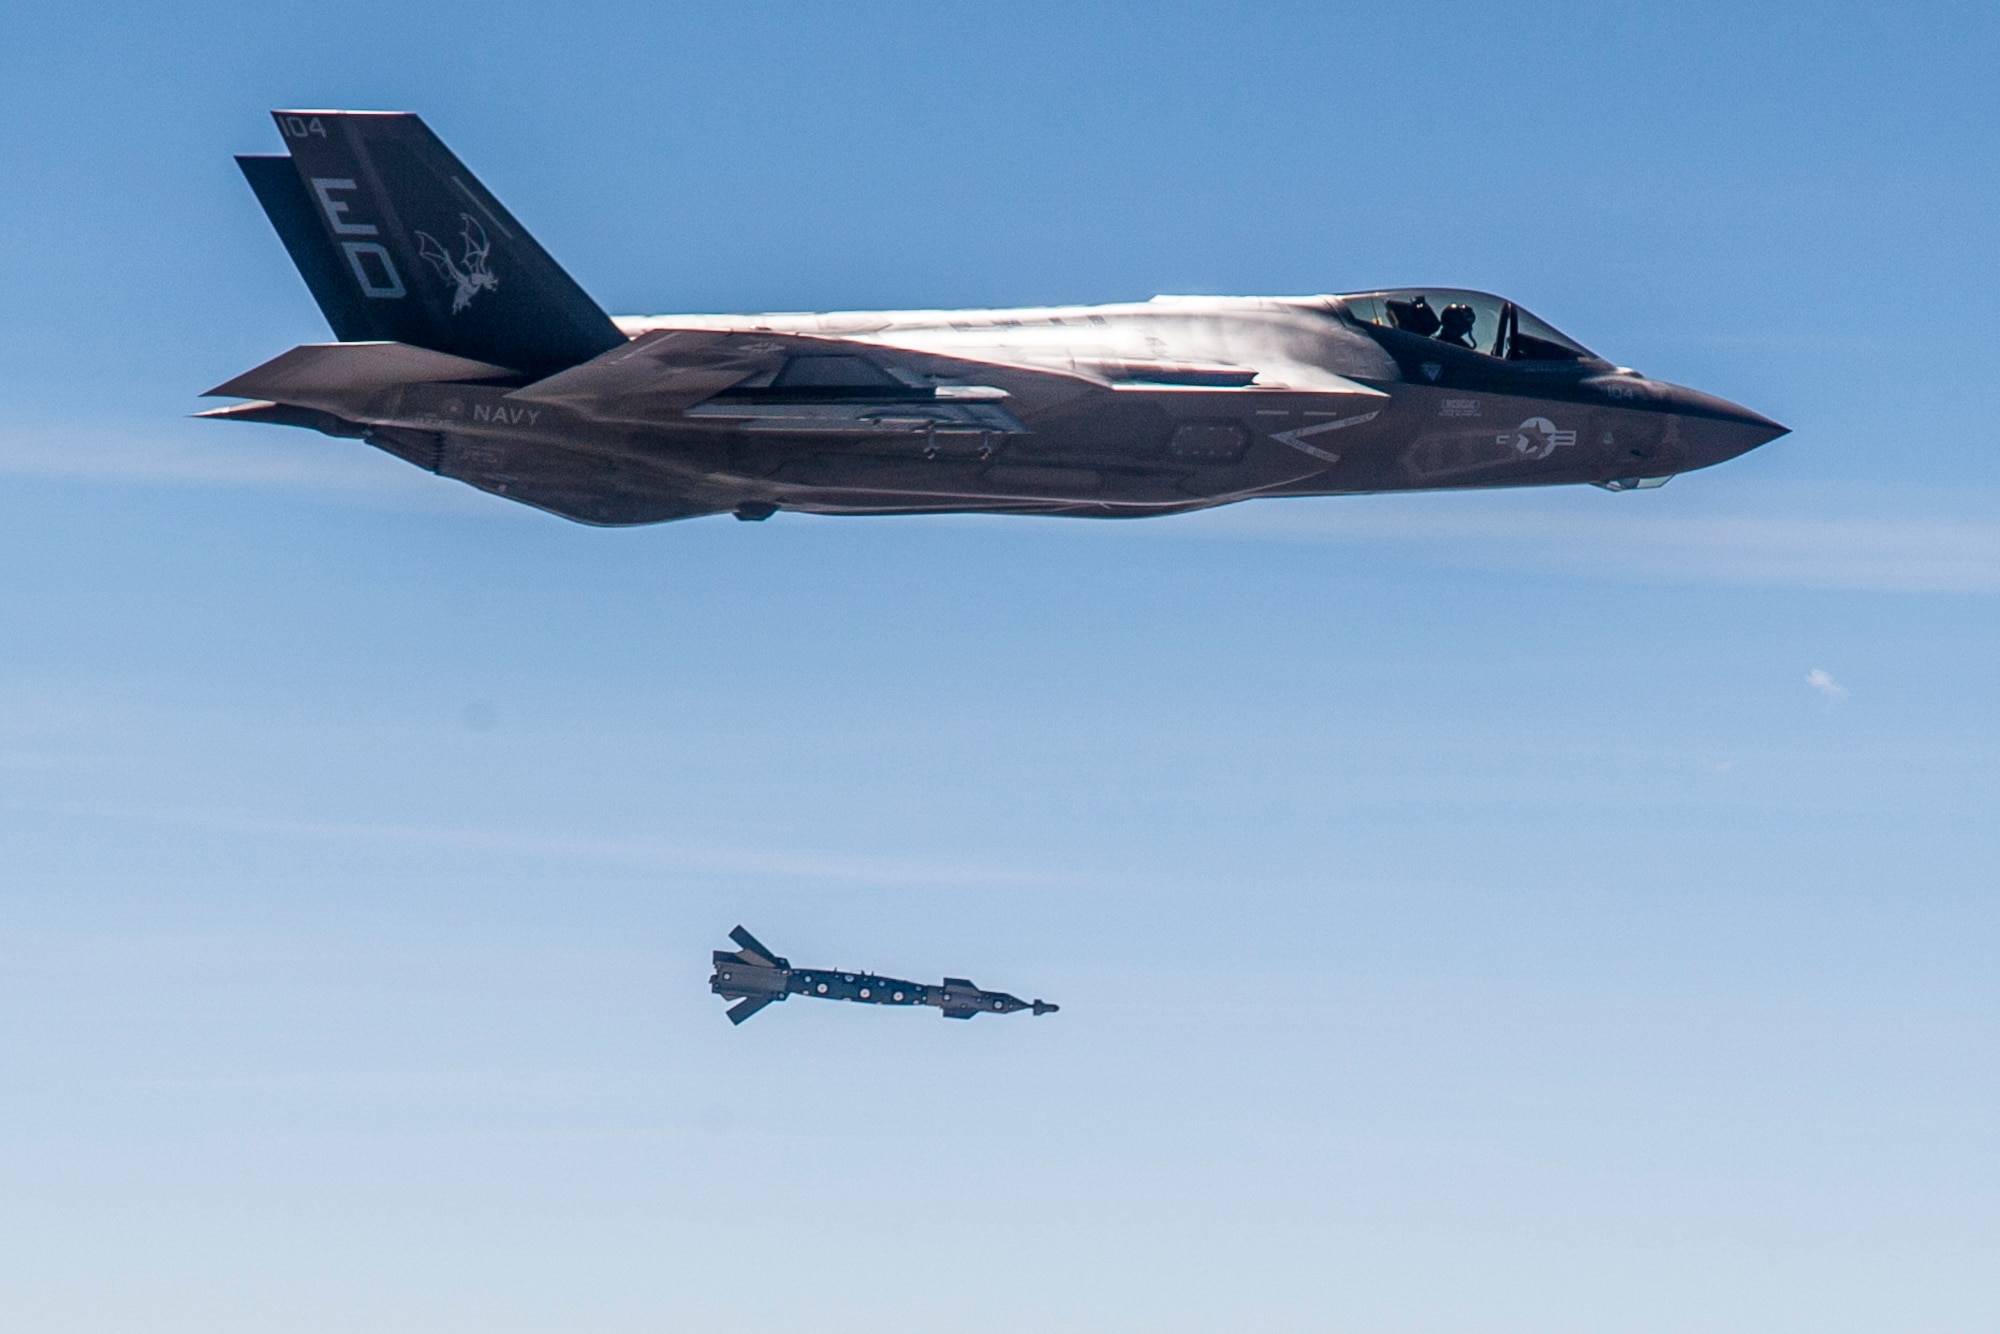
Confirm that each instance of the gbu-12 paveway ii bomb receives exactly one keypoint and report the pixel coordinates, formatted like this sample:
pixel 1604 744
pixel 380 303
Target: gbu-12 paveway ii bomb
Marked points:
pixel 753 977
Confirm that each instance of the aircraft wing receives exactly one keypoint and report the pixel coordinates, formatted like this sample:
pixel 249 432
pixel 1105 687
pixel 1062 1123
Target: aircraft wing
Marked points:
pixel 662 374
pixel 669 376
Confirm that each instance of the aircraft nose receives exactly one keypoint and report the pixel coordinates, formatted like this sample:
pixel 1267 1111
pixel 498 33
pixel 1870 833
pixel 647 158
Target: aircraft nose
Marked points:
pixel 1714 430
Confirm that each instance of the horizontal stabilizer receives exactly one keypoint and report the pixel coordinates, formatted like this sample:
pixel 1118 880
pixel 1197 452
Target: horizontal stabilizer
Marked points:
pixel 743 1009
pixel 315 373
pixel 754 952
pixel 266 413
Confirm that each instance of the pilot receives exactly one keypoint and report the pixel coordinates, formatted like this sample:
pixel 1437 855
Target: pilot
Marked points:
pixel 1455 325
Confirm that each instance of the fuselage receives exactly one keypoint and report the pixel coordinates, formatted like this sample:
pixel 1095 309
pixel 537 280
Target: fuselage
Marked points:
pixel 1258 395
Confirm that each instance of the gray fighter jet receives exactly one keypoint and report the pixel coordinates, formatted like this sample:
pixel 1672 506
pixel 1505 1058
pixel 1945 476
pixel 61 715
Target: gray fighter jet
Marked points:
pixel 466 350
pixel 753 977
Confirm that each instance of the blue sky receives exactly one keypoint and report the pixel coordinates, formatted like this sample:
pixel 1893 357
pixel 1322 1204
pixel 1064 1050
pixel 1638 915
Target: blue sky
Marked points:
pixel 1466 913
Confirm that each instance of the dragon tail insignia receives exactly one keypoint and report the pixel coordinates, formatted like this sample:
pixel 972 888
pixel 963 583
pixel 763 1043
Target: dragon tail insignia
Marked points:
pixel 467 273
pixel 400 243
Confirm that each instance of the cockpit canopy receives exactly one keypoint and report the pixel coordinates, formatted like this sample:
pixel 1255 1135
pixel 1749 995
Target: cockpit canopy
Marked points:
pixel 1476 321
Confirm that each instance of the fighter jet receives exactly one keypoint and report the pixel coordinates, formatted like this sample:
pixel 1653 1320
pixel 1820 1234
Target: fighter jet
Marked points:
pixel 466 350
pixel 753 977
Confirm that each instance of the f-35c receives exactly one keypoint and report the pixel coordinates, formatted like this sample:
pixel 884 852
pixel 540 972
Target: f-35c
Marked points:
pixel 466 350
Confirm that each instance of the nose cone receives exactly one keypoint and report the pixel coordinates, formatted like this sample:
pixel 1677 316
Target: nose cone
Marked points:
pixel 1714 430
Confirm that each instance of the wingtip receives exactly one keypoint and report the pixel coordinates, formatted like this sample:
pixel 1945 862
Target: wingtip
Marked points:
pixel 333 111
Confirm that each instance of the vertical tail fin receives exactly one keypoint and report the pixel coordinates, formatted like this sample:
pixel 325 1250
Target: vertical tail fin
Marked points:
pixel 291 210
pixel 399 242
